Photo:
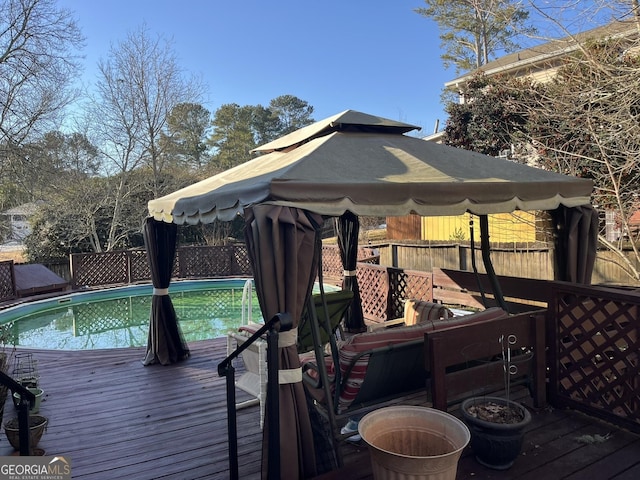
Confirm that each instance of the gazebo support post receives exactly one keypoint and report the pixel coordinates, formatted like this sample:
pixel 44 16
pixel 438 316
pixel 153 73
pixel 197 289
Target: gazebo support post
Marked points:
pixel 488 266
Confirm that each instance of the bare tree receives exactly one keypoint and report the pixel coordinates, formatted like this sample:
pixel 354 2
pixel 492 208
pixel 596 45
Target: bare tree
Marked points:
pixel 586 122
pixel 38 62
pixel 139 84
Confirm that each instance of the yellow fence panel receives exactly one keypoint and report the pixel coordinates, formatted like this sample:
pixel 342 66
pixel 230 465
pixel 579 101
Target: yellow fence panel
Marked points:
pixel 503 227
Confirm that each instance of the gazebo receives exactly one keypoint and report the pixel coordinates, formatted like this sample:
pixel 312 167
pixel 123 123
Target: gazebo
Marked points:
pixel 345 166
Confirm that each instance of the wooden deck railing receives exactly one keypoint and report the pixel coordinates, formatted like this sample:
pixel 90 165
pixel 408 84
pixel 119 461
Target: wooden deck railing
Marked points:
pixel 593 353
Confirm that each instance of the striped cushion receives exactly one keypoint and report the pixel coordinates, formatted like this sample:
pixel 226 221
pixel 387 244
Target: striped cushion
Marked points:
pixel 250 328
pixel 363 343
pixel 417 311
pixel 349 349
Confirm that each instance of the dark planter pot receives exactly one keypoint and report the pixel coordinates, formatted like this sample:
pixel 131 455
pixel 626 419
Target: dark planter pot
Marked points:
pixel 495 445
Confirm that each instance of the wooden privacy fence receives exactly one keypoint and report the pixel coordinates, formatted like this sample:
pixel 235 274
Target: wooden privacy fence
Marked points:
pixel 112 268
pixel 383 289
pixel 518 261
pixel 523 261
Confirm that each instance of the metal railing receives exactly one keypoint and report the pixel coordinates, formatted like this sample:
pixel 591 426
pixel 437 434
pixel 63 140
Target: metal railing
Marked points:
pixel 281 322
pixel 27 400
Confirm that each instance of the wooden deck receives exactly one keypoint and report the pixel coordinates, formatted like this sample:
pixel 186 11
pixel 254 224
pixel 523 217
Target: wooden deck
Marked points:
pixel 115 418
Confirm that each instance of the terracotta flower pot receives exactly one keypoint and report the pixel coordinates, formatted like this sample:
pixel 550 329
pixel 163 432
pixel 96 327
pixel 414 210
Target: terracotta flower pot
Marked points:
pixel 411 443
pixel 495 445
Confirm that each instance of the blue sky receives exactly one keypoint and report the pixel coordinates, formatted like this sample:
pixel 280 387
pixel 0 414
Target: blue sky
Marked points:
pixel 375 56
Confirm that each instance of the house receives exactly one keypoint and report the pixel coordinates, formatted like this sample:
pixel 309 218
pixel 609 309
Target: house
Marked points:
pixel 540 63
pixel 18 220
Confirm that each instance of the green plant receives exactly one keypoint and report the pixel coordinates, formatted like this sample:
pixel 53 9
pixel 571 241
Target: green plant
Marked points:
pixel 458 235
pixel 7 346
pixel 7 350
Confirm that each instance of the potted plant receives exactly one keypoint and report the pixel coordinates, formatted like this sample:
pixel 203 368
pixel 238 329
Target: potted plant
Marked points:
pixel 37 427
pixel 497 429
pixel 38 392
pixel 497 423
pixel 25 372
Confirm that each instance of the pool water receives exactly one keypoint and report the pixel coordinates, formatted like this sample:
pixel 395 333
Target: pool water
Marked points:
pixel 119 317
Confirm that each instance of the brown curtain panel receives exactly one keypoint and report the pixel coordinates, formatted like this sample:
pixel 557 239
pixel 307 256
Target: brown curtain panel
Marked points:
pixel 348 230
pixel 576 243
pixel 281 246
pixel 165 344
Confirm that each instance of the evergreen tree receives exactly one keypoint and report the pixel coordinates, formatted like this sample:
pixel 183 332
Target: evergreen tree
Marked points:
pixel 473 32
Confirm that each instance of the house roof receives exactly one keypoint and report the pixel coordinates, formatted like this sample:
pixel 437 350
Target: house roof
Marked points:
pixel 24 209
pixel 549 51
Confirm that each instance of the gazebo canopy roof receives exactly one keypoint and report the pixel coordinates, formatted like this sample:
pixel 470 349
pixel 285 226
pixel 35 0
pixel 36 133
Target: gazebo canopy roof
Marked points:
pixel 371 168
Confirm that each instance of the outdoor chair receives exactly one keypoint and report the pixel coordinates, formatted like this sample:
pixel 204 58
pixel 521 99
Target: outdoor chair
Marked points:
pixel 254 380
pixel 337 303
pixel 375 369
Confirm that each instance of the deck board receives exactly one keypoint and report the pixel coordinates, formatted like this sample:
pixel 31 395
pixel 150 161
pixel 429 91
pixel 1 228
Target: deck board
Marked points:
pixel 116 418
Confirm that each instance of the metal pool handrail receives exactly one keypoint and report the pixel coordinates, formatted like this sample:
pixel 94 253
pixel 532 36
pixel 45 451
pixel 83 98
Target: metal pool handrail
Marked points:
pixel 281 322
pixel 247 293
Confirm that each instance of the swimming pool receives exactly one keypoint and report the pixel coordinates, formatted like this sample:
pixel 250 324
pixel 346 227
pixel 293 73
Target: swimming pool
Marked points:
pixel 119 317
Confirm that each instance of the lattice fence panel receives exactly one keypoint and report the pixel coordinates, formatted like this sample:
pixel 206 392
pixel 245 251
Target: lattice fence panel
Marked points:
pixel 201 262
pixel 139 263
pixel 374 287
pixel 107 268
pixel 115 314
pixel 331 263
pixel 368 254
pixel 406 284
pixel 240 261
pixel 596 352
pixel 7 280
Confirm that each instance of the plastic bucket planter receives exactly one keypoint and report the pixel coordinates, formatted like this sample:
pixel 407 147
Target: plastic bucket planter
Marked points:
pixel 407 442
pixel 38 392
